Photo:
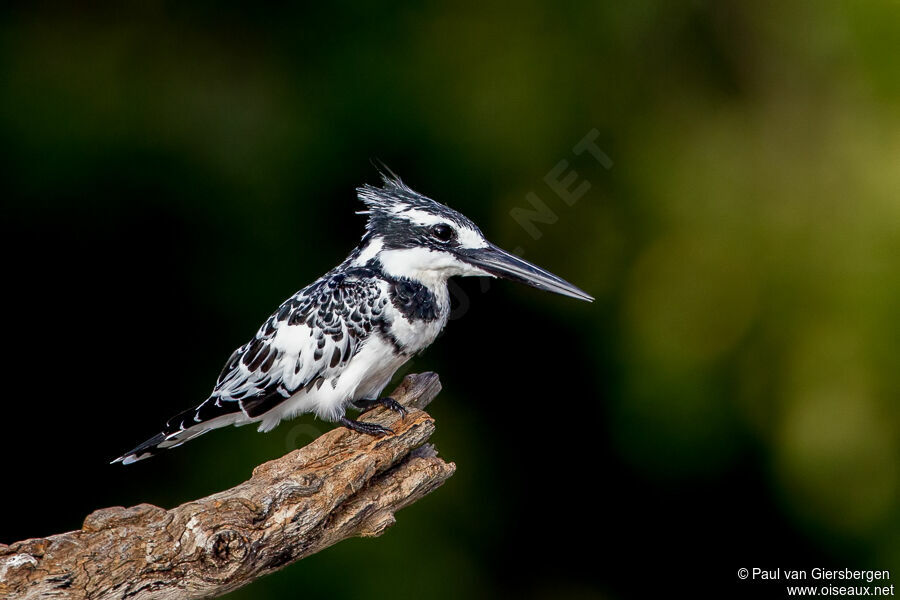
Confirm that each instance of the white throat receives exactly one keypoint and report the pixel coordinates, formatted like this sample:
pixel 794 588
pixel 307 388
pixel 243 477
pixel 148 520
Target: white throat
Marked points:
pixel 430 267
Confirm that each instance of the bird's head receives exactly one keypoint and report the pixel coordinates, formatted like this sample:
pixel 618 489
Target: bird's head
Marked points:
pixel 416 237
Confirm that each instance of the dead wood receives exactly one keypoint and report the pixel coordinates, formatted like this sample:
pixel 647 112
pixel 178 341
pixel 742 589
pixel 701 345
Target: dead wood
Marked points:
pixel 341 485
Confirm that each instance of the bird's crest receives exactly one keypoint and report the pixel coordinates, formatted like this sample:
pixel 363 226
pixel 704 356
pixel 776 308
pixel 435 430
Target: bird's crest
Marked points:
pixel 394 199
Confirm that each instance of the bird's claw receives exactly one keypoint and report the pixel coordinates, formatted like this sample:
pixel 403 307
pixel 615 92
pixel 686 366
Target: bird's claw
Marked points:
pixel 388 402
pixel 367 428
pixel 391 404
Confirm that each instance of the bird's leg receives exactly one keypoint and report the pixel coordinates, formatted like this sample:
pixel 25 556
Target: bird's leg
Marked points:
pixel 367 428
pixel 387 402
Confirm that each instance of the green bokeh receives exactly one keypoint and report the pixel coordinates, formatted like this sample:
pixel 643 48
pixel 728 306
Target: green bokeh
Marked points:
pixel 744 247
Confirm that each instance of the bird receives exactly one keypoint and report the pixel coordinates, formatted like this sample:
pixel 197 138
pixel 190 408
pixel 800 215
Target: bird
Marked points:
pixel 337 343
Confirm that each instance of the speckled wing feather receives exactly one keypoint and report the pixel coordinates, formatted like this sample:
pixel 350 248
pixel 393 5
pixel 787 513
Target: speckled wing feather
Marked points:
pixel 313 333
pixel 310 337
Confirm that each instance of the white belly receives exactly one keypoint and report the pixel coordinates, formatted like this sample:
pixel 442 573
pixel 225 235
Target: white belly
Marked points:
pixel 364 376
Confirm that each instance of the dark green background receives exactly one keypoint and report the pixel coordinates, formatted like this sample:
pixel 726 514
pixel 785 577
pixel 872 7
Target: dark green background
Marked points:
pixel 172 171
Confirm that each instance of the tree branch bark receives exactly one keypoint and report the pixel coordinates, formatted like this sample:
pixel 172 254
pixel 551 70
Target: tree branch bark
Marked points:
pixel 341 485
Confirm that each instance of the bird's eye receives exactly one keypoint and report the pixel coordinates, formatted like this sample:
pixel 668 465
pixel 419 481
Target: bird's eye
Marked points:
pixel 442 232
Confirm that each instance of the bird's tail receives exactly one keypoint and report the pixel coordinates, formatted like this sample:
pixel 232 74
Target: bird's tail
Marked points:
pixel 184 427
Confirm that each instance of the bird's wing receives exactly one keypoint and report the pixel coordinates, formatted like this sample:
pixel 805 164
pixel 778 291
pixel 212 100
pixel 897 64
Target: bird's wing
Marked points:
pixel 311 335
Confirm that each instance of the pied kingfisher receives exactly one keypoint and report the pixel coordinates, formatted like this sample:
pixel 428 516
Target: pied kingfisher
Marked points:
pixel 338 341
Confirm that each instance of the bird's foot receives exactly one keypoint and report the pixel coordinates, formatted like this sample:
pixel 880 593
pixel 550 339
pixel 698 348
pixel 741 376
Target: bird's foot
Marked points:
pixel 367 428
pixel 389 403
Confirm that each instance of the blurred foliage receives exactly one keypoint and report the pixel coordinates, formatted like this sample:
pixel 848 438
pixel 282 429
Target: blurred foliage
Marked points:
pixel 744 247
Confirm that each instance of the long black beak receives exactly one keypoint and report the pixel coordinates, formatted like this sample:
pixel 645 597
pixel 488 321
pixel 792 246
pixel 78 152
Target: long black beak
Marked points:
pixel 500 263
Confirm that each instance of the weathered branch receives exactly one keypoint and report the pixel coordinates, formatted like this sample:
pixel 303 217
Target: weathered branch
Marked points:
pixel 341 485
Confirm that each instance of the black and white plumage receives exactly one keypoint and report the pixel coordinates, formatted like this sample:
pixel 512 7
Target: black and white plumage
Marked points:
pixel 339 340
